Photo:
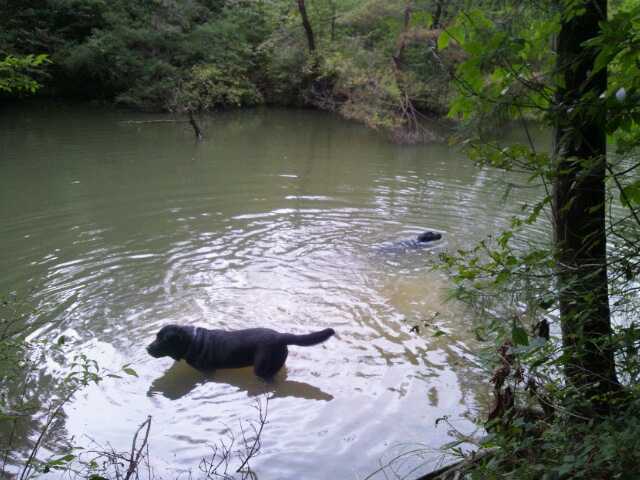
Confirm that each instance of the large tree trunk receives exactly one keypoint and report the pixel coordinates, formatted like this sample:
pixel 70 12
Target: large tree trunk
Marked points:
pixel 579 211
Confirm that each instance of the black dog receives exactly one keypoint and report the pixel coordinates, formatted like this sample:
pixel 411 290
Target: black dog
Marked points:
pixel 429 236
pixel 423 240
pixel 208 350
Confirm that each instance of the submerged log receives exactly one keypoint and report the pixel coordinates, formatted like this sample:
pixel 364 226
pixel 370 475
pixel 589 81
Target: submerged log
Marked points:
pixel 455 471
pixel 196 127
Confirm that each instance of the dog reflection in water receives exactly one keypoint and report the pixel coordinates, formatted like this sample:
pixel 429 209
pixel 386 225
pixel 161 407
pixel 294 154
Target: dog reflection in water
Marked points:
pixel 180 379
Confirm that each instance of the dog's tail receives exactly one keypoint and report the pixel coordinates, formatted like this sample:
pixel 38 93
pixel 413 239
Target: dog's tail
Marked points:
pixel 309 338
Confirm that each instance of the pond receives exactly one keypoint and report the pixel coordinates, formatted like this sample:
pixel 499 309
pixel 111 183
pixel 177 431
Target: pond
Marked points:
pixel 118 223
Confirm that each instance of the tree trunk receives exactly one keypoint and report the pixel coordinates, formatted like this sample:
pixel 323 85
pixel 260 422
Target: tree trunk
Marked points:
pixel 402 40
pixel 437 16
pixel 333 21
pixel 408 111
pixel 579 211
pixel 311 42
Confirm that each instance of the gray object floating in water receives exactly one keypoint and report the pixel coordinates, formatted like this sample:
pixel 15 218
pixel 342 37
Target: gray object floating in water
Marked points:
pixel 424 240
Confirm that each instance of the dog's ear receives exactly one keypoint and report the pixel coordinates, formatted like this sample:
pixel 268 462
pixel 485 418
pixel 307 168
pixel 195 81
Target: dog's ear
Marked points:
pixel 179 334
pixel 169 333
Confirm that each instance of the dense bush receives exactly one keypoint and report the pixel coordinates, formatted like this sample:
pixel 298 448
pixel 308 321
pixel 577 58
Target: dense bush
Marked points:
pixel 205 54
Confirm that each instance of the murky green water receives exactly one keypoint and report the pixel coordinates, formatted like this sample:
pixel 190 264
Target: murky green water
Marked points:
pixel 277 219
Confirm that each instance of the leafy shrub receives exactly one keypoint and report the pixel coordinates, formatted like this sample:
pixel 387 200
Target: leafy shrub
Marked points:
pixel 209 86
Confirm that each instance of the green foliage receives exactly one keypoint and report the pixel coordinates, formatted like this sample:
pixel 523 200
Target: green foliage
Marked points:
pixel 369 95
pixel 506 72
pixel 509 74
pixel 384 73
pixel 139 53
pixel 209 87
pixel 47 25
pixel 31 398
pixel 565 449
pixel 619 53
pixel 17 73
pixel 209 54
pixel 38 378
pixel 630 195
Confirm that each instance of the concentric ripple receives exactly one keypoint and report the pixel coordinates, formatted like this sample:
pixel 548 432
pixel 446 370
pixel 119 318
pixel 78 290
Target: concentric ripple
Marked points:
pixel 277 219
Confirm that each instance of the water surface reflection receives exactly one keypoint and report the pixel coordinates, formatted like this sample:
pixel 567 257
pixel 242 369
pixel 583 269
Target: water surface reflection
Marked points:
pixel 180 379
pixel 275 220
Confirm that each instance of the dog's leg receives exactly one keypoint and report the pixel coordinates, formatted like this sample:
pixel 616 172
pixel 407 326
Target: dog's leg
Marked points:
pixel 269 360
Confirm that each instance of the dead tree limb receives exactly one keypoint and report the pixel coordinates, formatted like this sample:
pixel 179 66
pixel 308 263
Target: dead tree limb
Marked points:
pixel 458 469
pixel 137 452
pixel 196 127
pixel 408 112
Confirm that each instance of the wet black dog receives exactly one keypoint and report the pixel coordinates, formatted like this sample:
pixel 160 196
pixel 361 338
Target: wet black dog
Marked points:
pixel 424 240
pixel 208 350
pixel 429 236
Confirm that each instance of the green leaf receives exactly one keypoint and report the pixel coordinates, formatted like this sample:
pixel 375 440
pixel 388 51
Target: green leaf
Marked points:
pixel 630 194
pixel 61 461
pixel 456 33
pixel 443 41
pixel 604 57
pixel 502 277
pixel 536 363
pixel 519 335
pixel 129 371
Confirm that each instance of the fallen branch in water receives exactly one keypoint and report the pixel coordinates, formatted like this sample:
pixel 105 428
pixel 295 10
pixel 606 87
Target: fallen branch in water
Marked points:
pixel 154 121
pixel 456 470
pixel 250 452
pixel 191 120
pixel 118 465
pixel 136 455
pixel 219 464
pixel 196 127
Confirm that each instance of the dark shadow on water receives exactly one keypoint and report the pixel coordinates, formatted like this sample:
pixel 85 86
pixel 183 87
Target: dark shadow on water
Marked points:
pixel 180 379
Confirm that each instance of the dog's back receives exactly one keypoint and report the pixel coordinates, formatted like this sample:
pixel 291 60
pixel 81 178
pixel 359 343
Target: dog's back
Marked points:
pixel 264 348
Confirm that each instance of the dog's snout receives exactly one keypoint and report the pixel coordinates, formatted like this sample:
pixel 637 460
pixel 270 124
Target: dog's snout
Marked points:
pixel 152 349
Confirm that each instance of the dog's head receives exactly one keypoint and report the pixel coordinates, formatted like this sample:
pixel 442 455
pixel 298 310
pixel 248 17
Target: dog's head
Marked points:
pixel 171 341
pixel 429 236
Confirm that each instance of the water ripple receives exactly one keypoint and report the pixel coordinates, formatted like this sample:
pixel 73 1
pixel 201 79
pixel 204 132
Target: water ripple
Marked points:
pixel 119 231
